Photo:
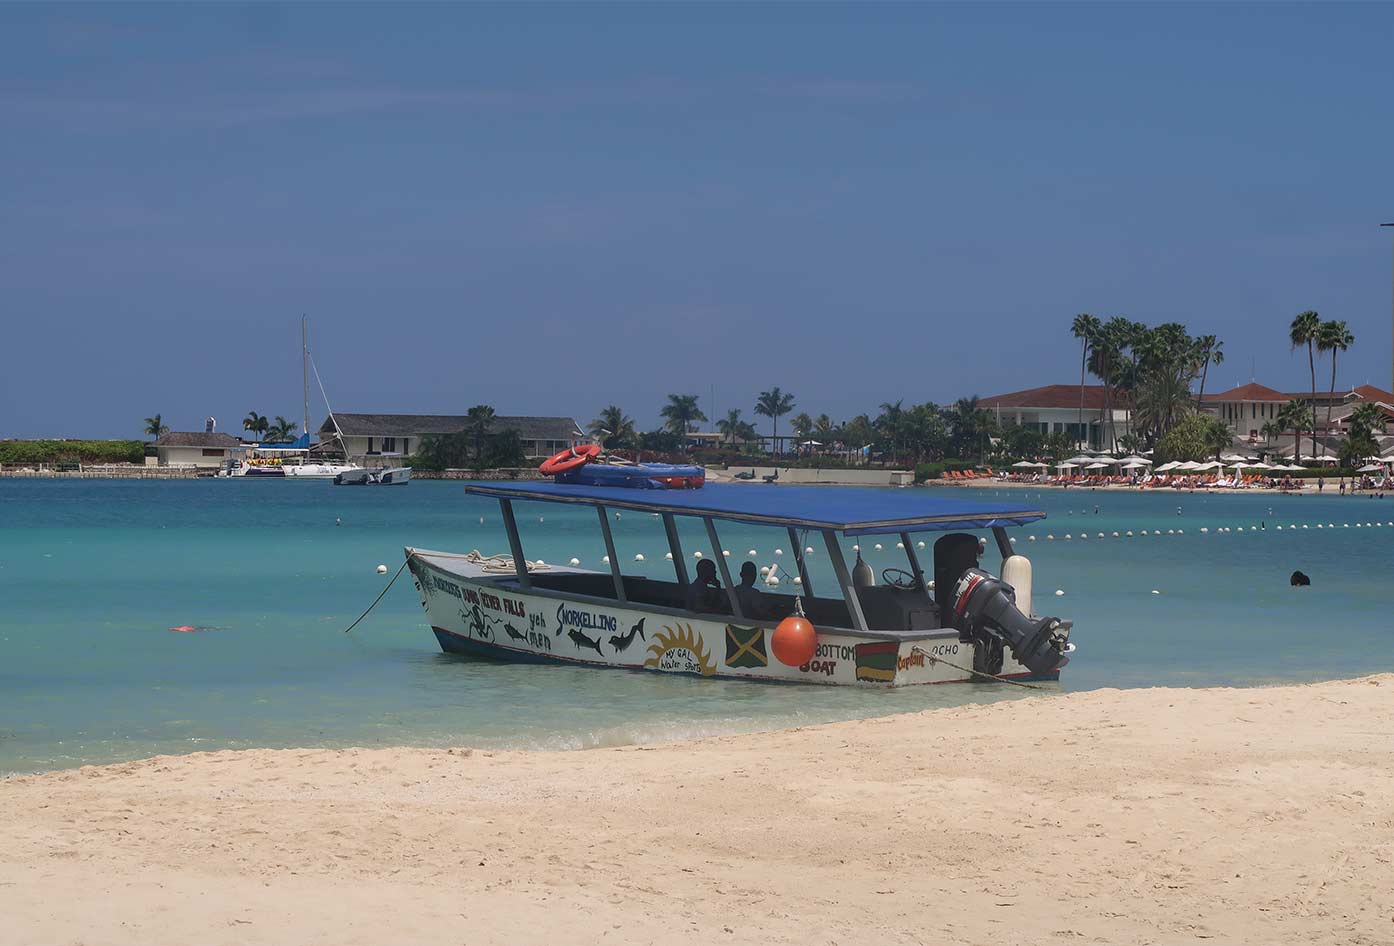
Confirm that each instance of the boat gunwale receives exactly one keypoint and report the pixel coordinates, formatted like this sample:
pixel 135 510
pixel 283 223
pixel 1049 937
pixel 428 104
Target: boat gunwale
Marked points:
pixel 510 582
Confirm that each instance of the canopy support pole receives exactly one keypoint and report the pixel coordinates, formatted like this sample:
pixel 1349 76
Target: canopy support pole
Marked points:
pixel 515 544
pixel 844 578
pixel 915 568
pixel 1004 544
pixel 670 526
pixel 798 557
pixel 610 553
pixel 725 569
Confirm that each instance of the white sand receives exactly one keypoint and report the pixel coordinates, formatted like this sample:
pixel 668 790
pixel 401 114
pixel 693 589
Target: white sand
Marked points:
pixel 1260 816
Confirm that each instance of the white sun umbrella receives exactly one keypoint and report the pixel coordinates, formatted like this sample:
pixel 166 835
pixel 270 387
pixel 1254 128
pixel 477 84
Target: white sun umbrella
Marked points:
pixel 1079 460
pixel 1238 466
pixel 1097 466
pixel 1135 466
pixel 1212 465
pixel 1188 465
pixel 1023 464
pixel 1371 468
pixel 1168 467
pixel 1134 460
pixel 1260 465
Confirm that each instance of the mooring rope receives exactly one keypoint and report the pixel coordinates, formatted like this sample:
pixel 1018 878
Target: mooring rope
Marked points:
pixel 406 561
pixel 916 649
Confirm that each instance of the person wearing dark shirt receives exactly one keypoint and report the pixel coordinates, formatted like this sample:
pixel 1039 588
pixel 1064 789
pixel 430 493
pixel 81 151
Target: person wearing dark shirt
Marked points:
pixel 704 593
pixel 746 592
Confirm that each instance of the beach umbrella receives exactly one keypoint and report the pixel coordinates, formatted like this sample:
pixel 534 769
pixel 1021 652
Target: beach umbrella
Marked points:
pixel 1371 468
pixel 1041 466
pixel 1135 466
pixel 1168 467
pixel 1097 466
pixel 1080 460
pixel 1188 465
pixel 1260 465
pixel 1067 465
pixel 1134 460
pixel 1023 464
pixel 1212 465
pixel 1238 466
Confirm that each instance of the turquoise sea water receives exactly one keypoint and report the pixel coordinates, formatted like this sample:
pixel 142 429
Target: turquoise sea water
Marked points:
pixel 93 573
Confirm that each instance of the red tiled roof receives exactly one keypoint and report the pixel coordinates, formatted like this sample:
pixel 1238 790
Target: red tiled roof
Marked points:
pixel 1053 396
pixel 1249 392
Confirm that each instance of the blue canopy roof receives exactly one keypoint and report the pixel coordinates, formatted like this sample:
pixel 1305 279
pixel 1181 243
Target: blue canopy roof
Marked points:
pixel 851 510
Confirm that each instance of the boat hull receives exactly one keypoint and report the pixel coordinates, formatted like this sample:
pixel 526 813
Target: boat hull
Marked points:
pixel 484 615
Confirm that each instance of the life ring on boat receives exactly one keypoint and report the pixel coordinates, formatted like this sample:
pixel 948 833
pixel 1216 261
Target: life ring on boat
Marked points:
pixel 570 459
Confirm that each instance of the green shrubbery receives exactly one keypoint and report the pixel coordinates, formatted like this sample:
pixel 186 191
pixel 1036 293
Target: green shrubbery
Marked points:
pixel 71 451
pixel 936 470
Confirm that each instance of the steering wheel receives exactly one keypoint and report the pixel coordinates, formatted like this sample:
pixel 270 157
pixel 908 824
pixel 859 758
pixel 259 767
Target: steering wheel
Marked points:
pixel 899 578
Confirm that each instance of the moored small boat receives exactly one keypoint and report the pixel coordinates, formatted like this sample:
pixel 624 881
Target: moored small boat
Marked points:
pixel 965 624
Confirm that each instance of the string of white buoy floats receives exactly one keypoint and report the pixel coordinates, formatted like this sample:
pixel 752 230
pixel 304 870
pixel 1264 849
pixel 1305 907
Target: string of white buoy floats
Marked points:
pixel 770 573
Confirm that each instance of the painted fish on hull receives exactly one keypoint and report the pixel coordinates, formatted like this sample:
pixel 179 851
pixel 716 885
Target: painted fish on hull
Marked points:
pixel 514 633
pixel 621 642
pixel 581 640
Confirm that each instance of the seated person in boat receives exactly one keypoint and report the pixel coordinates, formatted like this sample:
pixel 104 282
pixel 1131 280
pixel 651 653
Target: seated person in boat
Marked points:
pixel 704 594
pixel 746 592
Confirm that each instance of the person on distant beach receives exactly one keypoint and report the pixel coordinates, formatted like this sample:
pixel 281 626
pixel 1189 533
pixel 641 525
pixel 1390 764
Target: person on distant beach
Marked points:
pixel 704 593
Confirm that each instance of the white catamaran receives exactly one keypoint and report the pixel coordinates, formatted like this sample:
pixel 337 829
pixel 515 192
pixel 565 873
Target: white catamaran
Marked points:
pixel 966 624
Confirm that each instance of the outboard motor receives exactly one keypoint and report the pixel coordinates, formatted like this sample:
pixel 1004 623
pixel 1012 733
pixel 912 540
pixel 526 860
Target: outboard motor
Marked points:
pixel 985 610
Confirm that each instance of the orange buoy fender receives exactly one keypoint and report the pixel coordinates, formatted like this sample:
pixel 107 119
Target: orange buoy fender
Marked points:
pixel 794 641
pixel 570 459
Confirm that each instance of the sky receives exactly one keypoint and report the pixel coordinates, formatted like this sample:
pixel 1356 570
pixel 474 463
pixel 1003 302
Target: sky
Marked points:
pixel 549 209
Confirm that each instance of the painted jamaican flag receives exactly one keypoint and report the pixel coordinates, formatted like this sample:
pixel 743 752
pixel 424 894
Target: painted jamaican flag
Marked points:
pixel 876 661
pixel 745 647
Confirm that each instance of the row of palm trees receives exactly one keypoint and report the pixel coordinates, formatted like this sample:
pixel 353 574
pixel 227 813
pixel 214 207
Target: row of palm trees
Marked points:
pixel 1150 369
pixel 279 430
pixel 915 432
pixel 682 413
pixel 1319 337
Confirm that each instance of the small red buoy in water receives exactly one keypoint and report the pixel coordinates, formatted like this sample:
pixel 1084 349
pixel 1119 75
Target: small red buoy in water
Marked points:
pixel 184 629
pixel 794 640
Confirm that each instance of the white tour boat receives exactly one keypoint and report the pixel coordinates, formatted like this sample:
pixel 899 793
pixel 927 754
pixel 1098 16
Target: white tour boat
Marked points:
pixel 963 625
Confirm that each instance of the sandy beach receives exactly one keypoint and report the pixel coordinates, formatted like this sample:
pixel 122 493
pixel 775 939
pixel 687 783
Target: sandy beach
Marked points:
pixel 1149 816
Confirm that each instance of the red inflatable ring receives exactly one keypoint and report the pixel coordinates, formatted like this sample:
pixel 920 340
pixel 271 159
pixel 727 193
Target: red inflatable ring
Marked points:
pixel 570 459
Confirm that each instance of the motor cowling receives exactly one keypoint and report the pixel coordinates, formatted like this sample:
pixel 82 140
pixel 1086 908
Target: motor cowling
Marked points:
pixel 985 610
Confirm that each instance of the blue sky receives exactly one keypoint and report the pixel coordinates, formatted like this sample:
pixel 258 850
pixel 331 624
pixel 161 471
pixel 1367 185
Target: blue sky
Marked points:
pixel 552 208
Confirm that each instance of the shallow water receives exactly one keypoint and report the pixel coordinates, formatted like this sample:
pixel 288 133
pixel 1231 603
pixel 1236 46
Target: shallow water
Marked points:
pixel 93 573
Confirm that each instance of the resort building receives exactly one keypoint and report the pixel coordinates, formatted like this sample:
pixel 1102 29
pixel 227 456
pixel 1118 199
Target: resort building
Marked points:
pixel 375 439
pixel 1247 409
pixel 1056 409
pixel 196 449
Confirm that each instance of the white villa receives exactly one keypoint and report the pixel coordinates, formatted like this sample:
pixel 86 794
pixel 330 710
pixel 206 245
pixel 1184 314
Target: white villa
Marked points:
pixel 196 449
pixel 1056 408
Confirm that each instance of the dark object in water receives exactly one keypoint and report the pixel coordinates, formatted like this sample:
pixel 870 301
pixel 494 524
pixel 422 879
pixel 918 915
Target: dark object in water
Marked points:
pixel 1299 580
pixel 192 628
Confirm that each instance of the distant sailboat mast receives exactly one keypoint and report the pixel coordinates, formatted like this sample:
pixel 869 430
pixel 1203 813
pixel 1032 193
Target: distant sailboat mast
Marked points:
pixel 305 368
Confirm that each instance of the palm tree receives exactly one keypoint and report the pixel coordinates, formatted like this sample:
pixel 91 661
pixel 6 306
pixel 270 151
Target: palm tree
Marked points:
pixel 1333 336
pixel 613 427
pixel 729 424
pixel 890 423
pixel 1303 331
pixel 478 420
pixel 823 428
pixel 681 413
pixel 802 425
pixel 256 423
pixel 154 426
pixel 1086 328
pixel 1211 351
pixel 1368 417
pixel 1271 431
pixel 1297 415
pixel 774 404
pixel 281 431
